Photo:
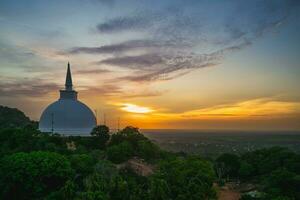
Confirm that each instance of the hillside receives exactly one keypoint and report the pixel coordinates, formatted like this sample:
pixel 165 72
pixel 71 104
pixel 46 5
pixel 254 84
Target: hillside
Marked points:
pixel 12 117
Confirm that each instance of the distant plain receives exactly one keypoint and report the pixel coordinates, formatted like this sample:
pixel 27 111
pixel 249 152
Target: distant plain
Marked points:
pixel 210 143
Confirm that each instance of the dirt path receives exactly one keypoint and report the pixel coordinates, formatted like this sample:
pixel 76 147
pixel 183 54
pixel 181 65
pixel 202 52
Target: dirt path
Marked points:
pixel 226 194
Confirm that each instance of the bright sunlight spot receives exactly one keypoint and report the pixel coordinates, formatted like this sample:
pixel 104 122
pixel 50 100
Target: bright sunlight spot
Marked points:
pixel 135 108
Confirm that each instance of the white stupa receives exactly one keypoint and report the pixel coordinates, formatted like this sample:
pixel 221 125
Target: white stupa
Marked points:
pixel 68 116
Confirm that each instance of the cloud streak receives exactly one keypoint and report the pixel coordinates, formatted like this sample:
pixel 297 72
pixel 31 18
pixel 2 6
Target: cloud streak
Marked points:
pixel 93 71
pixel 123 47
pixel 145 61
pixel 184 38
pixel 251 108
pixel 123 24
pixel 27 88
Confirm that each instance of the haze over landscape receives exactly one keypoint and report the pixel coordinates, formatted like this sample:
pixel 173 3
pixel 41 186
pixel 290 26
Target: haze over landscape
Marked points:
pixel 157 64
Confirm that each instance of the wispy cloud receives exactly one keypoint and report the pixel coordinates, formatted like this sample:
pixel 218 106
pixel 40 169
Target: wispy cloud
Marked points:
pixel 123 24
pixel 93 71
pixel 145 61
pixel 124 47
pixel 181 38
pixel 27 88
pixel 142 94
pixel 103 90
pixel 115 90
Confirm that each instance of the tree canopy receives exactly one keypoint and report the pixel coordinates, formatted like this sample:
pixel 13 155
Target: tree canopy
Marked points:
pixel 276 169
pixel 33 175
pixel 35 165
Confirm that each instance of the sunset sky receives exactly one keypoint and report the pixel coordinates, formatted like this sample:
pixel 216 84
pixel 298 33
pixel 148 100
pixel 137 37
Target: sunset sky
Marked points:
pixel 173 64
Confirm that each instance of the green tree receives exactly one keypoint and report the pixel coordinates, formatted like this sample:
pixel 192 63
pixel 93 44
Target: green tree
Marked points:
pixel 158 189
pixel 69 190
pixel 27 139
pixel 101 130
pixel 264 161
pixel 102 133
pixel 136 145
pixel 230 165
pixel 82 163
pixel 103 183
pixel 119 189
pixel 120 153
pixel 33 175
pixel 147 150
pixel 200 187
pixel 188 176
pixel 98 195
pixel 246 170
pixel 129 134
pixel 282 182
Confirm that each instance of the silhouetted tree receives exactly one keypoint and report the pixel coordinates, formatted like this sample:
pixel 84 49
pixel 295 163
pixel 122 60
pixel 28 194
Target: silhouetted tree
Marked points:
pixel 102 134
pixel 101 130
pixel 129 134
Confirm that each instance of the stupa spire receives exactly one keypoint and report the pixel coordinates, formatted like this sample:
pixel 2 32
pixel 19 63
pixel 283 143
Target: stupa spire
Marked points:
pixel 69 84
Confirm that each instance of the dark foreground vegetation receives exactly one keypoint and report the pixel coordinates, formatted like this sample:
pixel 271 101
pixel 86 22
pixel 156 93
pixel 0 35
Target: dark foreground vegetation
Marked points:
pixel 126 165
pixel 35 165
pixel 274 173
pixel 12 118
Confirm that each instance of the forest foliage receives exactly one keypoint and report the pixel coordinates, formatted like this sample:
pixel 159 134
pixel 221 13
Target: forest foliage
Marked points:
pixel 35 165
pixel 275 170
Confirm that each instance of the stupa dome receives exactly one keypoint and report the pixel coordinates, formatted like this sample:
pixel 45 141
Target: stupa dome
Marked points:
pixel 68 116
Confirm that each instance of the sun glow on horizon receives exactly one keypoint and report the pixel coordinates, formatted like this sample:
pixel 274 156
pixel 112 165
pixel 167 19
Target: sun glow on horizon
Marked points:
pixel 135 108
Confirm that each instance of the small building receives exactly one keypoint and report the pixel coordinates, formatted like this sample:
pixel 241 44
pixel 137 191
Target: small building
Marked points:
pixel 67 115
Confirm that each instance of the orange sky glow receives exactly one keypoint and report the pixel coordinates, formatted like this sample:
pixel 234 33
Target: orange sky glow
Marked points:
pixel 156 65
